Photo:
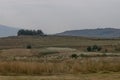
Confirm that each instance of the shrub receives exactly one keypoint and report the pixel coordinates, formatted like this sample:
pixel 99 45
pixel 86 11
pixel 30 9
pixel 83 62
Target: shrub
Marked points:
pixel 93 48
pixel 74 56
pixel 29 47
pixel 89 49
pixel 99 48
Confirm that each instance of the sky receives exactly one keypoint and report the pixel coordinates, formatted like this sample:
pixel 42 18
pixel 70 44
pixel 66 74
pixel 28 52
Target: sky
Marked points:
pixel 54 16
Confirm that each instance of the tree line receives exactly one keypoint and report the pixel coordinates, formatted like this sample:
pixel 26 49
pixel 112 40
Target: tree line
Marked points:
pixel 30 32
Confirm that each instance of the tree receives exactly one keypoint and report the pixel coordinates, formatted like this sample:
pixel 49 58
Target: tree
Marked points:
pixel 21 32
pixel 30 32
pixel 39 32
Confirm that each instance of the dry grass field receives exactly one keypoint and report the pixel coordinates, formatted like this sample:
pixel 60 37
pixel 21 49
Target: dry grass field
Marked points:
pixel 58 58
pixel 54 41
pixel 68 66
pixel 98 76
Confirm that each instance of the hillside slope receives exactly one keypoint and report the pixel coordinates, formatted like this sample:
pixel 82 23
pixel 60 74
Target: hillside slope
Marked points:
pixel 7 31
pixel 101 33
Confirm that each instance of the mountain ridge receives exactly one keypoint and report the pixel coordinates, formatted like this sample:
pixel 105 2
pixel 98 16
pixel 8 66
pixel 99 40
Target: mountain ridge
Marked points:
pixel 98 33
pixel 6 31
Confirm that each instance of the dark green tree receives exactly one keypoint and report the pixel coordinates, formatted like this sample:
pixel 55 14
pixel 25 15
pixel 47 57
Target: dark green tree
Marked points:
pixel 30 32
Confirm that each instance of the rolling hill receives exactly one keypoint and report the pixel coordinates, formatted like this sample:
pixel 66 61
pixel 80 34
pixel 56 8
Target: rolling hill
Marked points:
pixel 6 31
pixel 99 33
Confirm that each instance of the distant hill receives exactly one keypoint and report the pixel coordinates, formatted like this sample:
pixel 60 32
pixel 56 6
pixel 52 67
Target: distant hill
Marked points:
pixel 98 33
pixel 6 31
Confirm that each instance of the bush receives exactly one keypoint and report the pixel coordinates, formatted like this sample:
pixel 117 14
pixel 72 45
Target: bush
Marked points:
pixel 29 47
pixel 74 56
pixel 89 49
pixel 99 48
pixel 93 48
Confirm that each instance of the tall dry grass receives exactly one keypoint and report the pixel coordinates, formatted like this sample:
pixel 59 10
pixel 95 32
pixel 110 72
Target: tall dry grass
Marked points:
pixel 67 66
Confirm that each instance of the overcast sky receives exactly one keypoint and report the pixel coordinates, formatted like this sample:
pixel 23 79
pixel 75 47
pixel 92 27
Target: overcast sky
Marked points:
pixel 59 15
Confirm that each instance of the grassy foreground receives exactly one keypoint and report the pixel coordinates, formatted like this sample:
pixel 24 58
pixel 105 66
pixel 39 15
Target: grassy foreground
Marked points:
pixel 70 66
pixel 98 76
